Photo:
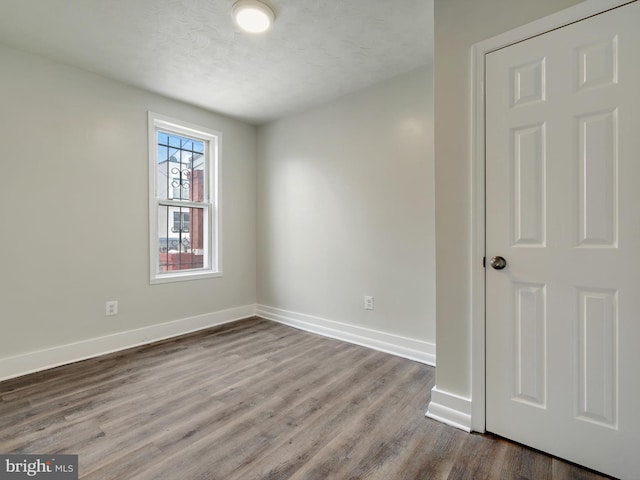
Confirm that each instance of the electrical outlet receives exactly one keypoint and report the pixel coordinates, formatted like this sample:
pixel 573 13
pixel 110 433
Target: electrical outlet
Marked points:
pixel 111 308
pixel 368 302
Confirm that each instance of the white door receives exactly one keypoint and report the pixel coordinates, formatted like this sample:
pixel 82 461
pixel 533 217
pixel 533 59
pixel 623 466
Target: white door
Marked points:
pixel 563 209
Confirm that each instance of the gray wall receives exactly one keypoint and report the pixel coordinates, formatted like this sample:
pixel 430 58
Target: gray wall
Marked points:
pixel 346 209
pixel 74 213
pixel 458 25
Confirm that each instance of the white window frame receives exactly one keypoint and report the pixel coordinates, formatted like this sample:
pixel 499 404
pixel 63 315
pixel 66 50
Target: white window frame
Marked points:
pixel 211 203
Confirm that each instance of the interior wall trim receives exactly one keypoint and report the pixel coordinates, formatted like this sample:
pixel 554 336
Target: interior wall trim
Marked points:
pixel 451 409
pixel 23 364
pixel 418 350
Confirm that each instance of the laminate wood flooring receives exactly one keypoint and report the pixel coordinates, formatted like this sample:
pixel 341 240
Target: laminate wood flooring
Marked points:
pixel 253 400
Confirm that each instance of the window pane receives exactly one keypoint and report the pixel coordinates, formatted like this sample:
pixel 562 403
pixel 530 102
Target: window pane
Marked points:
pixel 181 167
pixel 163 138
pixel 174 140
pixel 198 172
pixel 181 238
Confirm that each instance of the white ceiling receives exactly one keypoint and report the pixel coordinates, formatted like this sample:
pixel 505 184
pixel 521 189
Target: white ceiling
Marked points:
pixel 192 51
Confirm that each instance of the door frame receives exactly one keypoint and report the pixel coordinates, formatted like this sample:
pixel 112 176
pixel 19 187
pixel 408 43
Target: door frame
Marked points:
pixel 576 13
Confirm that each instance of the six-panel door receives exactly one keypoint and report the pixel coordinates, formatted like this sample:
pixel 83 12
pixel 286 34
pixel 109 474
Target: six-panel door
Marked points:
pixel 563 208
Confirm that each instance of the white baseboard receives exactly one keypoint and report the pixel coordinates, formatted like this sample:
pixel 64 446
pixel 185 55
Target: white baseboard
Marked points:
pixel 450 409
pixel 23 364
pixel 417 350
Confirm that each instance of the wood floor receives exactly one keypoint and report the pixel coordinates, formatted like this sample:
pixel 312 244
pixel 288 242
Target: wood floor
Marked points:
pixel 253 400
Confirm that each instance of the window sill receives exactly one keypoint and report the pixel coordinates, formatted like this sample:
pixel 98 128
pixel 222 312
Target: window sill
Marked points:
pixel 184 276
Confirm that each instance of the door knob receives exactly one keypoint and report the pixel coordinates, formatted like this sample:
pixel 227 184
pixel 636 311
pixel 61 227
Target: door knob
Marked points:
pixel 498 263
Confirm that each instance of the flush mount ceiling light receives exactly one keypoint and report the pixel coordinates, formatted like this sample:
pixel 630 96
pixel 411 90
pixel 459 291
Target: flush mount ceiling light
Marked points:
pixel 253 16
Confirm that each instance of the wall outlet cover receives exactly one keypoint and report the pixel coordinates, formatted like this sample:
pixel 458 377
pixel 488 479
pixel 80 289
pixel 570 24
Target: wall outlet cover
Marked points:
pixel 368 302
pixel 111 308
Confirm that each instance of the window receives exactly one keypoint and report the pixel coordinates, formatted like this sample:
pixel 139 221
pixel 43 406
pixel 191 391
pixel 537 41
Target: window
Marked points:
pixel 184 211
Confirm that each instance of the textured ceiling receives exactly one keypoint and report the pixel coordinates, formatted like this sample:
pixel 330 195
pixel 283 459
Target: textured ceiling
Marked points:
pixel 192 51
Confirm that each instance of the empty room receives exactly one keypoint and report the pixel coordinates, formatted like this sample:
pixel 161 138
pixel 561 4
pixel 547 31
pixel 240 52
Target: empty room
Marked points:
pixel 304 239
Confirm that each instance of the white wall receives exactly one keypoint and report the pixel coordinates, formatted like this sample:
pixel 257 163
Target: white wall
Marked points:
pixel 458 25
pixel 74 209
pixel 346 209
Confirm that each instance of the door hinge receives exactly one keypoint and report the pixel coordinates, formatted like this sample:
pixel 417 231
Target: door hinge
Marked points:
pixel 484 262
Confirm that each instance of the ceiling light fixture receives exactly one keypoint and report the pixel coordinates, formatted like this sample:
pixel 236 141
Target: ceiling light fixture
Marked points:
pixel 253 16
